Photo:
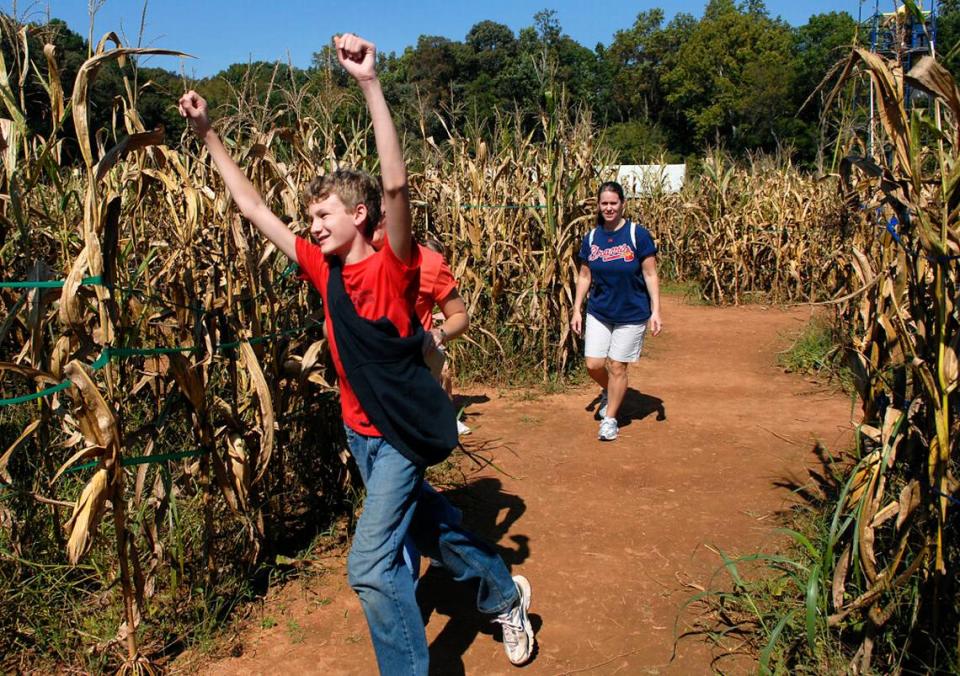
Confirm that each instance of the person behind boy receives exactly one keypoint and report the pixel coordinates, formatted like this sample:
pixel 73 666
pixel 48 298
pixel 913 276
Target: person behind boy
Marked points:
pixel 437 288
pixel 368 299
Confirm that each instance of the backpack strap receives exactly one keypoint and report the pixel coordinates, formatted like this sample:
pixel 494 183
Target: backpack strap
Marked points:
pixel 592 233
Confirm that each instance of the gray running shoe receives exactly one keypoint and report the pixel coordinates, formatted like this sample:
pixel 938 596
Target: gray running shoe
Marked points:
pixel 608 429
pixel 518 638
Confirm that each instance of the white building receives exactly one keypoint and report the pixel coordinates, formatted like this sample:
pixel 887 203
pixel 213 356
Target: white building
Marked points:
pixel 643 179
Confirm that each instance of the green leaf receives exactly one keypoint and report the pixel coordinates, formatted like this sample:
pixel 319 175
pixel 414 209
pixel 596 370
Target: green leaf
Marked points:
pixel 767 651
pixel 801 540
pixel 813 595
pixel 915 12
pixel 731 567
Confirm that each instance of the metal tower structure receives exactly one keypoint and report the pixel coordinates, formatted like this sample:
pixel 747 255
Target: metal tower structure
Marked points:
pixel 900 36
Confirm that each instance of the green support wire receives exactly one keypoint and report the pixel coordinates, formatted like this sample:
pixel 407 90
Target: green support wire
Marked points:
pixel 287 271
pixel 96 280
pixel 122 352
pixel 109 353
pixel 59 387
pixel 140 460
pixel 503 206
pixel 50 283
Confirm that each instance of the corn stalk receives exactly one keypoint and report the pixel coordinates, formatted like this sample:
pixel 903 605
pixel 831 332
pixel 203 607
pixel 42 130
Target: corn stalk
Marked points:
pixel 891 525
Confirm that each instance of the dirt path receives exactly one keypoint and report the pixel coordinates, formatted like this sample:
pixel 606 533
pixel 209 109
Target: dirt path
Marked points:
pixel 608 533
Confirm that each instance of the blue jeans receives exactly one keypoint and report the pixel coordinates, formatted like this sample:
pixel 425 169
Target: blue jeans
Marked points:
pixel 399 501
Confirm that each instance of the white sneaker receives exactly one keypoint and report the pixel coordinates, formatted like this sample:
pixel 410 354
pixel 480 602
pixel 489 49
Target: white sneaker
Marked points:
pixel 518 639
pixel 602 411
pixel 462 429
pixel 608 429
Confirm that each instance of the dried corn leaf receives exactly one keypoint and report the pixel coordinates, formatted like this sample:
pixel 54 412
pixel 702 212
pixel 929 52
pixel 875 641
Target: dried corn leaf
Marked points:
pixel 885 514
pixel 5 458
pixel 96 420
pixel 85 77
pixel 870 432
pixel 863 477
pixel 131 143
pixel 868 557
pixel 28 372
pixel 54 87
pixel 934 78
pixel 238 467
pixel 950 367
pixel 190 382
pixel 70 312
pixel 60 354
pixel 87 514
pixel 839 586
pixel 82 454
pixel 267 417
pixel 310 359
pixel 861 266
pixel 888 80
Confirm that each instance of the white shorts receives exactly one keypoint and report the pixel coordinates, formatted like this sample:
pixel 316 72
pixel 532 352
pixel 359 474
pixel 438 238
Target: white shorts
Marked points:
pixel 619 342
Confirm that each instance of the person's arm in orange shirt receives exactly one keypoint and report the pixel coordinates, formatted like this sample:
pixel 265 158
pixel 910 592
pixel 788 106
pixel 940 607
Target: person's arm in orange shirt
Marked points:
pixel 456 321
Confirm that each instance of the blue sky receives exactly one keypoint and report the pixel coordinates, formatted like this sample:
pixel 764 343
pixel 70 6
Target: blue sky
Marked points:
pixel 220 33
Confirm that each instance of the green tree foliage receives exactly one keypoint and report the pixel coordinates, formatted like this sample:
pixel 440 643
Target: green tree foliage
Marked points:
pixel 948 35
pixel 644 126
pixel 640 141
pixel 156 88
pixel 819 45
pixel 736 76
pixel 634 70
pixel 733 76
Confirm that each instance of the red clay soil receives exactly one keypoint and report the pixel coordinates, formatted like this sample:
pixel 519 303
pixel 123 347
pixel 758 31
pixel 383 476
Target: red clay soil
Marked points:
pixel 610 534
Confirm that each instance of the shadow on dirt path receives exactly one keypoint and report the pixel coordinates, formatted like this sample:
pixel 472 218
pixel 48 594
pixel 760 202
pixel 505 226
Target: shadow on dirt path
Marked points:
pixel 614 537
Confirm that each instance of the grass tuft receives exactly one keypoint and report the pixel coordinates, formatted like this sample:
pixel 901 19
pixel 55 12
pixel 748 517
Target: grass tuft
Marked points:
pixel 817 350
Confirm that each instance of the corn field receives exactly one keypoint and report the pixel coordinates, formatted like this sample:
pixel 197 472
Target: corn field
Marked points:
pixel 890 561
pixel 751 231
pixel 512 213
pixel 871 585
pixel 168 419
pixel 161 368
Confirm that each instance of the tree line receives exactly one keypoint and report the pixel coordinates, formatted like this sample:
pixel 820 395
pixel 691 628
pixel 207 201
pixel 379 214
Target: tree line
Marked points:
pixel 662 90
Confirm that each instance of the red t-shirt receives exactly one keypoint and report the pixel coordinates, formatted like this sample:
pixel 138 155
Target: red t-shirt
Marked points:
pixel 380 285
pixel 436 283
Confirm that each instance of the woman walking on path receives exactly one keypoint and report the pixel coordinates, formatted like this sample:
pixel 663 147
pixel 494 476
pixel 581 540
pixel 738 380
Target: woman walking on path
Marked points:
pixel 618 269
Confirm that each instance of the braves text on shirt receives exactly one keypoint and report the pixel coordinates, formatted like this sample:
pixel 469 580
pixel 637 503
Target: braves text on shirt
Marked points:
pixel 623 251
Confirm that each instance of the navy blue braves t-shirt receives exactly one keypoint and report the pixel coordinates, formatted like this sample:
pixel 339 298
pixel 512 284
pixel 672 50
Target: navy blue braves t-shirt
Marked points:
pixel 618 294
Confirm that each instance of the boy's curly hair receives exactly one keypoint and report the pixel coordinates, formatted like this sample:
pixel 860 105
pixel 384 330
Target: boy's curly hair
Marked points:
pixel 353 187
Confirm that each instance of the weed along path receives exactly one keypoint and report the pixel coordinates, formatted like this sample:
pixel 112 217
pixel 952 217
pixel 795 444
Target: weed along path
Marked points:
pixel 614 537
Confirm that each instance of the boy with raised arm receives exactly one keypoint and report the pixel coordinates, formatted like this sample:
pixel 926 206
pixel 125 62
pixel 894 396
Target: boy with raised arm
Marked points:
pixel 390 402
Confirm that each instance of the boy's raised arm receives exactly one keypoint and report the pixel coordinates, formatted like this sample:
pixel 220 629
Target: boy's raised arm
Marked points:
pixel 251 205
pixel 358 57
